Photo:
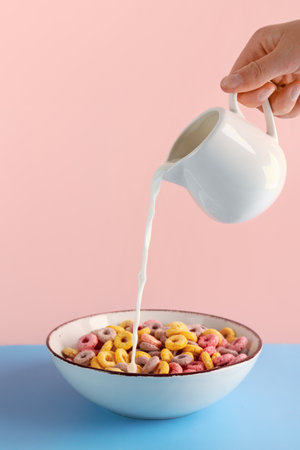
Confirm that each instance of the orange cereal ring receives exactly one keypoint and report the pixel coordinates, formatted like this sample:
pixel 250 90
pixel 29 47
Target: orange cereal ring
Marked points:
pixel 123 340
pixel 166 355
pixel 95 363
pixel 69 352
pixel 213 331
pixel 121 356
pixel 162 368
pixel 206 359
pixel 150 340
pixel 228 334
pixel 194 349
pixel 106 359
pixel 176 342
pixel 108 345
pixel 113 369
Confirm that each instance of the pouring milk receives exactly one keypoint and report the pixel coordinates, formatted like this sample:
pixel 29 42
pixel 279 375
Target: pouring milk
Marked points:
pixel 233 170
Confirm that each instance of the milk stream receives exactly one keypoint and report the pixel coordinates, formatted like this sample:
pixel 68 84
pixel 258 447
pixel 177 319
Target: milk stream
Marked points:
pixel 142 276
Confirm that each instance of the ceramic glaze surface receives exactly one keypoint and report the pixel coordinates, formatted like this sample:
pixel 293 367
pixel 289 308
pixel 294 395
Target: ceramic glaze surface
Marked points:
pixel 166 396
pixel 235 172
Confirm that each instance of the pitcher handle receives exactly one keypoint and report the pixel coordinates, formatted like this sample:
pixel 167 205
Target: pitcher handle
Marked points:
pixel 271 128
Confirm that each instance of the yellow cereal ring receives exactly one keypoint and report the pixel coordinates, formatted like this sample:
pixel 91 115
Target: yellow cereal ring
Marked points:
pixel 145 330
pixel 117 328
pixel 106 359
pixel 189 335
pixel 121 356
pixel 141 353
pixel 166 355
pixel 194 349
pixel 113 369
pixel 176 342
pixel 228 334
pixel 123 340
pixel 180 325
pixel 188 353
pixel 126 324
pixel 138 368
pixel 95 363
pixel 207 360
pixel 162 368
pixel 215 355
pixel 213 331
pixel 69 352
pixel 108 345
pixel 175 330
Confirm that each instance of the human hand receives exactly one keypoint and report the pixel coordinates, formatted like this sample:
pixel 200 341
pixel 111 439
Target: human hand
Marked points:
pixel 269 67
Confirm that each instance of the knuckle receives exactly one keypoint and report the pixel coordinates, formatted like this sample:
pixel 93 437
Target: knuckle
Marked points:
pixel 256 69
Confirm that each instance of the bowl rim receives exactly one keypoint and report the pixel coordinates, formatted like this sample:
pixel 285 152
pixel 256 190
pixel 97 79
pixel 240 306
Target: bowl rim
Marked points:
pixel 152 375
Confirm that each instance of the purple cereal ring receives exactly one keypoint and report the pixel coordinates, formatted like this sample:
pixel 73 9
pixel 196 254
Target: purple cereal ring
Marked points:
pixel 196 328
pixel 182 359
pixel 224 350
pixel 223 359
pixel 208 340
pixel 106 334
pixel 87 342
pixel 192 343
pixel 238 358
pixel 154 353
pixel 141 360
pixel 175 368
pixel 239 344
pixel 146 347
pixel 161 335
pixel 122 366
pixel 151 364
pixel 83 358
pixel 153 325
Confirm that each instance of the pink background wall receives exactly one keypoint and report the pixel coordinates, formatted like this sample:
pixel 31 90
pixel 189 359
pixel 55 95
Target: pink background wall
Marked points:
pixel 92 96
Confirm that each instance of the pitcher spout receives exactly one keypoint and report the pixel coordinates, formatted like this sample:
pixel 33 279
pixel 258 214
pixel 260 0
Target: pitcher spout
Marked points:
pixel 174 173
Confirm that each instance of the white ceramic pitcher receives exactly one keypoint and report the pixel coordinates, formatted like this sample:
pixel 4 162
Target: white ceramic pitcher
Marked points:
pixel 233 170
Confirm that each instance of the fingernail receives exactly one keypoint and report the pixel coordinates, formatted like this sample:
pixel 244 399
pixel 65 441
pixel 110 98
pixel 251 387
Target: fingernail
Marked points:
pixel 294 93
pixel 264 94
pixel 231 81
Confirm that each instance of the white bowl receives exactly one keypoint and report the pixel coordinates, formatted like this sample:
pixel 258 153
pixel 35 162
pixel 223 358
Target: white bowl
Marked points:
pixel 148 396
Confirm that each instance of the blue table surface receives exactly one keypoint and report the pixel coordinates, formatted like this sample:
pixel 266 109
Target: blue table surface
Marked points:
pixel 39 410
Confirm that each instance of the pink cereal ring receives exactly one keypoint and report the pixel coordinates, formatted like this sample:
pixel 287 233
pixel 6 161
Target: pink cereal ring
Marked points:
pixel 175 368
pixel 150 340
pixel 197 366
pixel 223 359
pixel 151 364
pixel 190 371
pixel 87 342
pixel 208 340
pixel 153 325
pixel 224 343
pixel 239 344
pixel 238 359
pixel 210 349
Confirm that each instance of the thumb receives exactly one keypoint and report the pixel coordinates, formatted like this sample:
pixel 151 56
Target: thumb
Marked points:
pixel 255 74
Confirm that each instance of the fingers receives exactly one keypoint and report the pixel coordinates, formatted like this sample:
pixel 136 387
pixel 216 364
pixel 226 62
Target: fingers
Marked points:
pixel 255 74
pixel 255 98
pixel 284 100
